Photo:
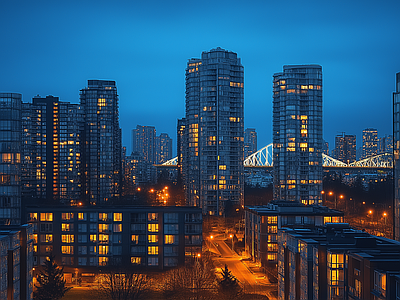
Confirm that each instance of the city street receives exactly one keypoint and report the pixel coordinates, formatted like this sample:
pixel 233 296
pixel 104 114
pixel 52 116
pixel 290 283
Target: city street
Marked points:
pixel 251 282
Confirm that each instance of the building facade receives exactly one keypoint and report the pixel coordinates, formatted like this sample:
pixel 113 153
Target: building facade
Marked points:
pixel 250 141
pixel 264 222
pixel 345 148
pixel 385 144
pixel 163 148
pixel 85 239
pixel 144 143
pixel 10 158
pixel 396 157
pixel 213 156
pixel 370 142
pixel 101 149
pixel 297 134
pixel 16 262
pixel 335 262
pixel 51 160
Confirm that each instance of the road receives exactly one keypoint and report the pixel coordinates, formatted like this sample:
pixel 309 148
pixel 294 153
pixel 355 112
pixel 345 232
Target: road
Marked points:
pixel 248 280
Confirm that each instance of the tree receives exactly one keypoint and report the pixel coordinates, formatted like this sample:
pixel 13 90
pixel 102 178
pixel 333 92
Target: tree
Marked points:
pixel 119 285
pixel 50 282
pixel 229 286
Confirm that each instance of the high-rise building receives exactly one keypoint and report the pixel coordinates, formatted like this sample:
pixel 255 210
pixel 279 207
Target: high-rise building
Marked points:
pixel 163 148
pixel 396 157
pixel 325 148
pixel 297 134
pixel 215 128
pixel 345 148
pixel 101 149
pixel 385 144
pixel 370 142
pixel 250 141
pixel 181 142
pixel 51 150
pixel 144 142
pixel 10 158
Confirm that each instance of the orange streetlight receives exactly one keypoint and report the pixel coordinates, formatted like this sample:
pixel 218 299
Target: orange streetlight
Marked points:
pixel 211 237
pixel 138 189
pixel 385 215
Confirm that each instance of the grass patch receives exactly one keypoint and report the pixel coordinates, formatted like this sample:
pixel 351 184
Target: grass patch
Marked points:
pixel 79 293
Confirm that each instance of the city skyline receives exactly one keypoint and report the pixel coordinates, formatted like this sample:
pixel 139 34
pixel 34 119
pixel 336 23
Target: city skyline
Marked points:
pixel 138 45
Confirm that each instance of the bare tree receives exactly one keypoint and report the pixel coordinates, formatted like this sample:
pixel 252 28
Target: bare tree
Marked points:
pixel 197 282
pixel 116 285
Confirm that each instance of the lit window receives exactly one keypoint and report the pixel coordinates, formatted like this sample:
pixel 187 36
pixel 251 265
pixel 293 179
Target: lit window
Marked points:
pixel 104 227
pixel 67 227
pixel 103 238
pixel 136 260
pixel 46 238
pixel 152 250
pixel 272 219
pixel 82 216
pixel 67 216
pixel 103 250
pixel 103 261
pixel 67 249
pixel 33 217
pixel 46 217
pixel 93 237
pixel 117 227
pixel 117 217
pixel 152 238
pixel 67 238
pixel 152 227
pixel 35 238
pixel 103 217
pixel 170 239
pixel 152 217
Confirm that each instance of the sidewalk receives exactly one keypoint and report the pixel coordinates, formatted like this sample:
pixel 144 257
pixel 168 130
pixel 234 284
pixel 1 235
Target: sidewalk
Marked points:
pixel 260 276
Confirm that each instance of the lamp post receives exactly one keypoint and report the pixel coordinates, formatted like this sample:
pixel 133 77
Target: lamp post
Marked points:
pixel 384 216
pixel 231 236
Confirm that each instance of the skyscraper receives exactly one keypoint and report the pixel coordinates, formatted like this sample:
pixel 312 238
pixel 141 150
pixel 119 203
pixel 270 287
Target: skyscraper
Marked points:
pixel 215 128
pixel 51 150
pixel 345 148
pixel 250 141
pixel 144 142
pixel 163 148
pixel 370 142
pixel 385 144
pixel 297 134
pixel 396 157
pixel 10 158
pixel 101 151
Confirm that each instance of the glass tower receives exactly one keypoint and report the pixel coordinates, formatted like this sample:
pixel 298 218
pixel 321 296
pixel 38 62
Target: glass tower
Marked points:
pixel 370 142
pixel 215 128
pixel 345 148
pixel 144 142
pixel 10 158
pixel 297 134
pixel 250 141
pixel 101 151
pixel 396 156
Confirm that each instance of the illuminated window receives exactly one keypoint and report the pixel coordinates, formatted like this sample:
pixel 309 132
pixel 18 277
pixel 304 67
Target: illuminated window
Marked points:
pixel 136 260
pixel 152 227
pixel 103 238
pixel 101 102
pixel 272 256
pixel 67 227
pixel 171 239
pixel 35 238
pixel 104 227
pixel 67 216
pixel 93 237
pixel 152 250
pixel 222 167
pixel 67 249
pixel 46 217
pixel 152 217
pixel 272 219
pixel 67 238
pixel 272 229
pixel 103 217
pixel 135 238
pixel 103 250
pixel 82 216
pixel 380 283
pixel 46 238
pixel 272 247
pixel 152 238
pixel 117 217
pixel 33 217
pixel 103 261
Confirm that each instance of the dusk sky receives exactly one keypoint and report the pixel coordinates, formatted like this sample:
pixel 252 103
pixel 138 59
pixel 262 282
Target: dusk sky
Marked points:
pixel 54 47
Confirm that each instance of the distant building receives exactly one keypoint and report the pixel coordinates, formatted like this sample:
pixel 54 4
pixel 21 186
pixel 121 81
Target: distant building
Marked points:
pixel 181 147
pixel 345 148
pixel 263 223
pixel 163 148
pixel 337 262
pixel 10 158
pixel 396 156
pixel 144 143
pixel 82 239
pixel 139 171
pixel 325 148
pixel 213 151
pixel 370 142
pixel 385 144
pixel 250 142
pixel 101 147
pixel 16 262
pixel 51 161
pixel 297 134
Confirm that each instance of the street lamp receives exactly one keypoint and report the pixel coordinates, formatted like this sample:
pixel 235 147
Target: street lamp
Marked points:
pixel 231 236
pixel 385 215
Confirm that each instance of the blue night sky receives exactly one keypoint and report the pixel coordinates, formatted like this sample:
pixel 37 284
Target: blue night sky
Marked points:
pixel 54 47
